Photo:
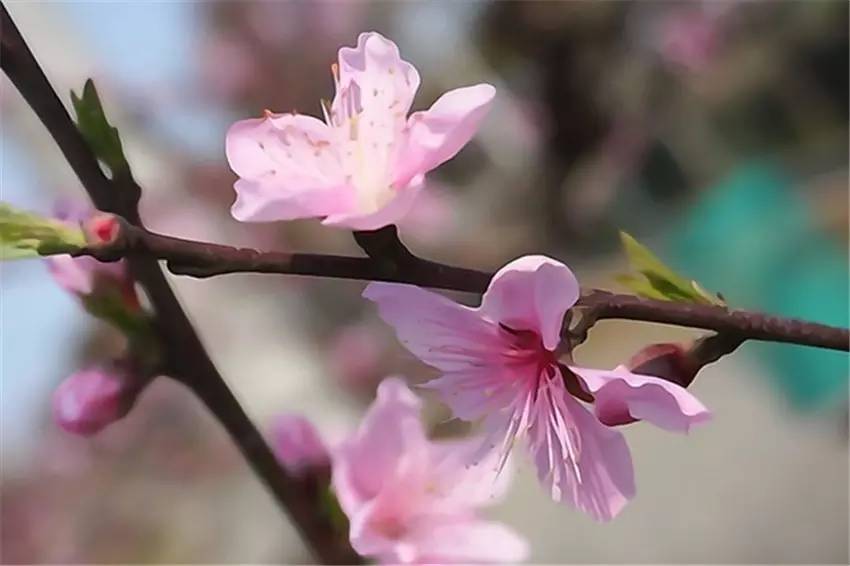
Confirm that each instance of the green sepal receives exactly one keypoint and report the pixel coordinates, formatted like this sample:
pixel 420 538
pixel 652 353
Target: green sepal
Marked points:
pixel 96 129
pixel 333 510
pixel 24 234
pixel 653 279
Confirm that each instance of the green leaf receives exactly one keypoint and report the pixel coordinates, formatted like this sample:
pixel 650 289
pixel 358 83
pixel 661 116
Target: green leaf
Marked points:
pixel 23 234
pixel 96 129
pixel 653 279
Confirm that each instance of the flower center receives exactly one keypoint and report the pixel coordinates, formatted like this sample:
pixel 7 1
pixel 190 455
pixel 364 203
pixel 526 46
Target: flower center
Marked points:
pixel 525 346
pixel 367 129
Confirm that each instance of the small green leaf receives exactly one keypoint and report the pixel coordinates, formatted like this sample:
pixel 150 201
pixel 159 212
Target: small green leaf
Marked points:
pixel 23 234
pixel 655 280
pixel 96 129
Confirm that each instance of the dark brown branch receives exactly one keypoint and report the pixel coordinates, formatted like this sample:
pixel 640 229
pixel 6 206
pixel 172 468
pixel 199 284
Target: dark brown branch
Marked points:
pixel 201 259
pixel 186 358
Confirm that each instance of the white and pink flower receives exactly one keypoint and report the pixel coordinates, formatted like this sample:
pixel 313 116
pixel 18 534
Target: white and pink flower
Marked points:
pixel 413 501
pixel 500 365
pixel 363 166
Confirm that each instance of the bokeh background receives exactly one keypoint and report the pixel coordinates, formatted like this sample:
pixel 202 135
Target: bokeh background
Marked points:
pixel 716 132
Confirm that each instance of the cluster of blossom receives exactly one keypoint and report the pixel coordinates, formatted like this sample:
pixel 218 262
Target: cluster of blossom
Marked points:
pixel 503 364
pixel 93 397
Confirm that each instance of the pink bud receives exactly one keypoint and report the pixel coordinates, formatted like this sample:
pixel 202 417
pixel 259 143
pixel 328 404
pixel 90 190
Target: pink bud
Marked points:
pixel 92 398
pixel 101 228
pixel 298 445
pixel 667 361
pixel 86 277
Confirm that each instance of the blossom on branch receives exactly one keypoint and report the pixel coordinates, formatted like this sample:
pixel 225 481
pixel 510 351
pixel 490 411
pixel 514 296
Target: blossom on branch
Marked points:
pixel 363 166
pixel 412 500
pixel 500 365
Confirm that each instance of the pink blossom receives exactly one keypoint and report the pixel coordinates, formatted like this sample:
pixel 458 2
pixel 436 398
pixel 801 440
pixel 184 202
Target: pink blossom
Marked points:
pixel 298 445
pixel 85 276
pixel 500 365
pixel 411 500
pixel 90 399
pixel 364 165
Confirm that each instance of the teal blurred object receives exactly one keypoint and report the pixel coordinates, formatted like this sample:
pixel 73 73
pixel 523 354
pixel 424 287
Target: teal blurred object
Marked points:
pixel 754 239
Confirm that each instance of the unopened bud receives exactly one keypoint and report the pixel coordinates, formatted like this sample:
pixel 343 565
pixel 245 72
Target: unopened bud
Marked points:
pixel 90 399
pixel 298 445
pixel 102 228
pixel 668 361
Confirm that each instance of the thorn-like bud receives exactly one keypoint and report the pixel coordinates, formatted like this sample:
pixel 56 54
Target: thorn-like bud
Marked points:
pixel 667 360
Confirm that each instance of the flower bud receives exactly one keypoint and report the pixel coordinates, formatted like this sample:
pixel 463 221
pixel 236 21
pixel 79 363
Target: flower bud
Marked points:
pixel 102 286
pixel 667 360
pixel 90 399
pixel 101 228
pixel 298 445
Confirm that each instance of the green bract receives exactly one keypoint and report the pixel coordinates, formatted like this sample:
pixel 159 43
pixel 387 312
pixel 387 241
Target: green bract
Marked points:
pixel 654 280
pixel 99 133
pixel 23 234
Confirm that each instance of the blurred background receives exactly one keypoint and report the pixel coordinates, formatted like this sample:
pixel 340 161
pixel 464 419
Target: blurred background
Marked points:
pixel 716 132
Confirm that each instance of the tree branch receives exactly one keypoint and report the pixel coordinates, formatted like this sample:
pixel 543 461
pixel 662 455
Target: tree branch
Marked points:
pixel 186 358
pixel 202 259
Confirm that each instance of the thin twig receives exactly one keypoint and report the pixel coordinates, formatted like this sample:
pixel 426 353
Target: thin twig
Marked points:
pixel 186 358
pixel 203 259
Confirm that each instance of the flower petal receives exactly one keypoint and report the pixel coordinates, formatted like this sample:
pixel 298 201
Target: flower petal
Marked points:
pixel 384 79
pixel 580 460
pixel 532 293
pixel 390 429
pixel 462 485
pixel 439 133
pixel 623 396
pixel 467 541
pixel 288 168
pixel 390 213
pixel 440 332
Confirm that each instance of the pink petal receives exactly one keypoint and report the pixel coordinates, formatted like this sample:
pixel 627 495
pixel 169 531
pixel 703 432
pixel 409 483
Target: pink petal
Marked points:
pixel 363 464
pixel 440 332
pixel 439 133
pixel 467 541
pixel 390 213
pixel 75 275
pixel 383 78
pixel 479 377
pixel 288 168
pixel 580 460
pixel 532 293
pixel 462 485
pixel 623 396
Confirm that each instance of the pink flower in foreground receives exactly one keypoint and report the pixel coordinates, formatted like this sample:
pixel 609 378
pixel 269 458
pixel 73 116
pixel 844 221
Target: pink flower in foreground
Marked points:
pixel 500 365
pixel 363 166
pixel 410 500
pixel 298 445
pixel 90 399
pixel 85 276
